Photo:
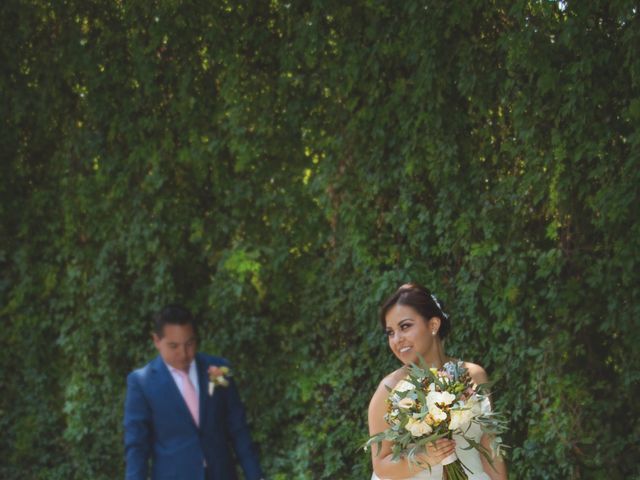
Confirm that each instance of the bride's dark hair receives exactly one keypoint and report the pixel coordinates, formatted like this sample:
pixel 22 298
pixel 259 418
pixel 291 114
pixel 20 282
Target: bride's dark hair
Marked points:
pixel 422 301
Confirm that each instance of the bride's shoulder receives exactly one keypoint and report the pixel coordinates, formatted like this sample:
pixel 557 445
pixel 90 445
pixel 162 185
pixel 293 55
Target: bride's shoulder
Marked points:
pixel 378 400
pixel 378 403
pixel 390 381
pixel 477 373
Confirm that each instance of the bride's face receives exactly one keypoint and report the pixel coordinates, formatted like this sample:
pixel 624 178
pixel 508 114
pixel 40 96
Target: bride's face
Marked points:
pixel 410 335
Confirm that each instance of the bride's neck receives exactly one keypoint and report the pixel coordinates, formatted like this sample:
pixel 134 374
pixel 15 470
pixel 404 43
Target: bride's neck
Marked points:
pixel 437 358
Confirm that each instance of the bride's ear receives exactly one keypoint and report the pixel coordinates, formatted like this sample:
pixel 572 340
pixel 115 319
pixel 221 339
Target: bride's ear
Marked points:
pixel 434 325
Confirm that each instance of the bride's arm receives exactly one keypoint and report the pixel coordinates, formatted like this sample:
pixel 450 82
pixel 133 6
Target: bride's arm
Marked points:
pixel 383 466
pixel 497 471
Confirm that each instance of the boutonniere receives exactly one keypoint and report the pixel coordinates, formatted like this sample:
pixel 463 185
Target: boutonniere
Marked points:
pixel 218 376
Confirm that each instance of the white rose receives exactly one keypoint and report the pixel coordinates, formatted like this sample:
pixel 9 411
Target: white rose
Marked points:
pixel 463 413
pixel 460 419
pixel 418 427
pixel 437 414
pixel 448 398
pixel 439 397
pixel 404 386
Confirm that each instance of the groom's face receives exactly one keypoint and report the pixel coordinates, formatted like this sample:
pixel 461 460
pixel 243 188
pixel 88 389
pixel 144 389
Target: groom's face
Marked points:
pixel 177 346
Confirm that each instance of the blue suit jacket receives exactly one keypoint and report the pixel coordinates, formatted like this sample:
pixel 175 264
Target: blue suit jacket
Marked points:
pixel 158 427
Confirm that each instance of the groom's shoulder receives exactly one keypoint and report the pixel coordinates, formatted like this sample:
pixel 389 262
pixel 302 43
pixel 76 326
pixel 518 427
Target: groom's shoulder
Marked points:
pixel 144 371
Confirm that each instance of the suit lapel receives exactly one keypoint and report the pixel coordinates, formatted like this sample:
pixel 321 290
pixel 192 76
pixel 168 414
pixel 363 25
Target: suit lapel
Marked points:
pixel 203 381
pixel 168 389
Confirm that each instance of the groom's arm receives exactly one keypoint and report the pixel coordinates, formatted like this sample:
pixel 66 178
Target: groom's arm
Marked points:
pixel 240 435
pixel 137 442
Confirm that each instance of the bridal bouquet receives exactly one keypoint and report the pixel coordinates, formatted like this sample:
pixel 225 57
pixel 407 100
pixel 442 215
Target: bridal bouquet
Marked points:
pixel 430 404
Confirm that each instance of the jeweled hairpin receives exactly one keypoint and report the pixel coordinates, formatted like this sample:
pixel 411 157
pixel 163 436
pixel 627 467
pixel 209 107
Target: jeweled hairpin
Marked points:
pixel 435 300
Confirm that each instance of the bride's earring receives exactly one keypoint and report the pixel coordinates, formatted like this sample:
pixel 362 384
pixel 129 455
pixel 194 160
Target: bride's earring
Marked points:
pixel 433 333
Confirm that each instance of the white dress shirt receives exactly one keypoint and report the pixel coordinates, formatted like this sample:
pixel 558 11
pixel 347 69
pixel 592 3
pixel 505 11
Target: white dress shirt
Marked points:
pixel 193 376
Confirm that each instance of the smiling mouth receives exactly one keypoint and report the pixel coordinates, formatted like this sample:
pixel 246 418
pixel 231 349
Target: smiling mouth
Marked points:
pixel 404 349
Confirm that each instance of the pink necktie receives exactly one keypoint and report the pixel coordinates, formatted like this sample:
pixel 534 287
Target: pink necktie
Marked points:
pixel 190 395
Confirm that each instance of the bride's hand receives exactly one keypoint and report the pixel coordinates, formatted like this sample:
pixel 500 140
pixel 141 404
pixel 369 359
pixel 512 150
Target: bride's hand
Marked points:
pixel 438 451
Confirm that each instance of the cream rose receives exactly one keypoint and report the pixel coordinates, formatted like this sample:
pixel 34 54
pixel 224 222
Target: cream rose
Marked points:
pixel 460 419
pixel 418 428
pixel 404 386
pixel 463 413
pixel 437 414
pixel 445 398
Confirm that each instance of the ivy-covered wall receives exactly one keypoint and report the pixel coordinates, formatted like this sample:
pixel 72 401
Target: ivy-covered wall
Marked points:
pixel 281 167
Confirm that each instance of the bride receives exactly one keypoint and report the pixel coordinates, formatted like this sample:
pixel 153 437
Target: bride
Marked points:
pixel 416 325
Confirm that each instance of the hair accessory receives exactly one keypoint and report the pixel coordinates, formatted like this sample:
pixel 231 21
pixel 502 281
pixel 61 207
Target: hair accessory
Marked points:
pixel 435 300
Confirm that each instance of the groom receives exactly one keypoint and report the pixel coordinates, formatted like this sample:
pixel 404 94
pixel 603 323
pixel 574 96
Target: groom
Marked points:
pixel 172 418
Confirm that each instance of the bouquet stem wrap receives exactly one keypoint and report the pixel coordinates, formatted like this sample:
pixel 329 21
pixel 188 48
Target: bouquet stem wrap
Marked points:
pixel 449 459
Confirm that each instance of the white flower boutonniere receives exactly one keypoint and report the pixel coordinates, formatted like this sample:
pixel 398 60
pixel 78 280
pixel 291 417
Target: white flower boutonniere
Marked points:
pixel 218 376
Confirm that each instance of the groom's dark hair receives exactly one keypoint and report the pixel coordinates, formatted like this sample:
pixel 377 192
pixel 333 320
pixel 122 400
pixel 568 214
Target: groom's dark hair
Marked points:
pixel 173 314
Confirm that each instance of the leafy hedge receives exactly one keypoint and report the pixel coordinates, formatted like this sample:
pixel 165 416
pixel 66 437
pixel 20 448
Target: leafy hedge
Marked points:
pixel 281 167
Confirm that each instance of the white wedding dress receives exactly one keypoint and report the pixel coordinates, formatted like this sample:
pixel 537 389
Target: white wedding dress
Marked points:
pixel 470 458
